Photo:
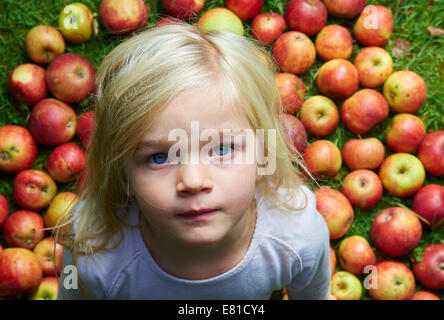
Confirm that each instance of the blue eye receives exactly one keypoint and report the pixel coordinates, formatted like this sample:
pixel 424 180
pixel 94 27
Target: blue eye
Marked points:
pixel 158 158
pixel 223 150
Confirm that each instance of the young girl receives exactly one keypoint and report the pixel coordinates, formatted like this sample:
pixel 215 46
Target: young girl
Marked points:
pixel 153 224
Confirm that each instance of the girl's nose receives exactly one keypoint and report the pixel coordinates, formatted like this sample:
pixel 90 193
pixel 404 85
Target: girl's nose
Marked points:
pixel 193 178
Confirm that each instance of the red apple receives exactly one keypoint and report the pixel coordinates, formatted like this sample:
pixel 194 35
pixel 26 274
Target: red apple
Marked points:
pixel 345 8
pixel 337 79
pixel 336 210
pixel 58 213
pixel 294 52
pixel 70 77
pixel 245 9
pixel 431 152
pixel 23 228
pixel 424 295
pixel 49 254
pixel 405 91
pixel 44 43
pixel 346 286
pixel 26 82
pixel 374 65
pixel 183 9
pixel 394 281
pixel 367 153
pixel 220 19
pixel 374 26
pixel 332 260
pixel 428 202
pixel 66 162
pixel 4 209
pixel 306 16
pixel 34 189
pixel 319 115
pixel 52 122
pixel 355 253
pixel 364 110
pixel 402 174
pixel 334 42
pixel 18 150
pixel 291 90
pixel 405 133
pixel 85 127
pixel 430 270
pixel 123 16
pixel 295 131
pixel 47 290
pixel 77 23
pixel 266 27
pixel 20 271
pixel 166 21
pixel 323 159
pixel 396 231
pixel 363 188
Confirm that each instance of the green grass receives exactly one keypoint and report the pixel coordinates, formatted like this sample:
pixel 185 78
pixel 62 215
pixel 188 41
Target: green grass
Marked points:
pixel 425 57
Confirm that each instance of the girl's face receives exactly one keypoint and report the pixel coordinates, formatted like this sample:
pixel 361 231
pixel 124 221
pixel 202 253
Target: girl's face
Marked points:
pixel 207 178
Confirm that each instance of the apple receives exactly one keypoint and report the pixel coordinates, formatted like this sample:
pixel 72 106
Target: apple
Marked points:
pixel 374 26
pixel 374 65
pixel 364 110
pixel 402 174
pixel 405 91
pixel 34 189
pixel 52 122
pixel 334 42
pixel 431 152
pixel 85 127
pixel 332 260
pixel 345 8
pixel 337 79
pixel 47 290
pixel 355 253
pixel 4 209
pixel 319 115
pixel 323 159
pixel 220 19
pixel 306 16
pixel 183 9
pixel 424 295
pixel 346 286
pixel 70 77
pixel 428 202
pixel 266 27
pixel 291 90
pixel 26 83
pixel 23 228
pixel 76 22
pixel 18 149
pixel 295 131
pixel 20 271
pixel 49 254
pixel 166 21
pixel 81 181
pixel 394 281
pixel 123 16
pixel 363 188
pixel 430 270
pixel 66 162
pixel 44 43
pixel 336 210
pixel 396 231
pixel 245 9
pixel 405 133
pixel 58 213
pixel 366 153
pixel 294 52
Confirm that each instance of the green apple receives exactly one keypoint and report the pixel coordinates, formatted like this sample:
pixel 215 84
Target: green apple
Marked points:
pixel 47 290
pixel 77 23
pixel 346 286
pixel 220 19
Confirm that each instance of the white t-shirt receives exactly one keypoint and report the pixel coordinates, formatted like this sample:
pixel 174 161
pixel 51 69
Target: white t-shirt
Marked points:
pixel 289 249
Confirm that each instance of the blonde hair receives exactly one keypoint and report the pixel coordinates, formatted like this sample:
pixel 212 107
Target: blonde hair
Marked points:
pixel 140 76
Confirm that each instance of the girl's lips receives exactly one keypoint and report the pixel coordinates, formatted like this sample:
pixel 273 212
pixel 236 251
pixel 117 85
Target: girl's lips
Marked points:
pixel 197 215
